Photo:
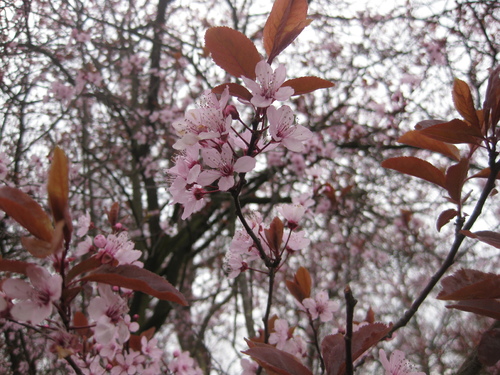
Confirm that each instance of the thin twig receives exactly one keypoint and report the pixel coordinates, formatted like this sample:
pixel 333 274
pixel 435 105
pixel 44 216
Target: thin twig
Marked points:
pixel 350 303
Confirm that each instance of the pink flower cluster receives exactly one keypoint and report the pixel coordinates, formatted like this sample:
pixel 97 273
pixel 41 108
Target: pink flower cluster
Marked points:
pixel 215 145
pixel 243 250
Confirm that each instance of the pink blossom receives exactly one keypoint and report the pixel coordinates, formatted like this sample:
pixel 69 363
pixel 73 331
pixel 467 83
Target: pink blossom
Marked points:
pixel 249 367
pixel 191 196
pixel 128 363
pixel 117 248
pixel 36 299
pixel 83 225
pixel 108 311
pixel 320 307
pixel 282 129
pixel 267 87
pixel 183 364
pixel 397 365
pixel 225 166
pixel 293 213
pixel 297 241
pixel 187 165
pixel 280 334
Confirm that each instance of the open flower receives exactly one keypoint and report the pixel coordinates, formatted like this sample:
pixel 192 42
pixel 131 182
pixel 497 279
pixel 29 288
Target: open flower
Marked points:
pixel 320 307
pixel 283 131
pixel 225 166
pixel 36 299
pixel 268 87
pixel 397 365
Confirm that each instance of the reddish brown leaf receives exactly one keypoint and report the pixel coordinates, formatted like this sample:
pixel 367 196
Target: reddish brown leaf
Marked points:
pixel 488 350
pixel 135 278
pixel 455 178
pixel 234 90
pixel 17 266
pixel 445 217
pixel 370 316
pixel 303 279
pixel 23 209
pixel 286 21
pixel 489 237
pixel 58 186
pixel 333 346
pixel 80 320
pixel 483 307
pixel 69 294
pixel 454 131
pixel 36 247
pixel 274 235
pixel 416 139
pixel 277 361
pixel 232 51
pixel 464 103
pixel 468 284
pixel 84 266
pixel 113 214
pixel 416 167
pixel 304 85
pixel 491 107
pixel 427 123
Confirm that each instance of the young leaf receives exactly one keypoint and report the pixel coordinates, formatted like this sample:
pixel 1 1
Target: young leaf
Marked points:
pixel 455 178
pixel 232 51
pixel 58 191
pixel 84 266
pixel 274 235
pixel 36 247
pixel 234 90
pixel 488 350
pixel 416 139
pixel 491 106
pixel 445 217
pixel 300 286
pixel 17 266
pixel 58 186
pixel 454 131
pixel 286 21
pixel 277 361
pixel 464 103
pixel 23 209
pixel 304 85
pixel 333 346
pixel 489 237
pixel 483 307
pixel 135 278
pixel 468 284
pixel 416 167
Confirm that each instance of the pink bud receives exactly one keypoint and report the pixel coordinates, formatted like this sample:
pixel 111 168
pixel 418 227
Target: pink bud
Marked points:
pixel 100 241
pixel 231 110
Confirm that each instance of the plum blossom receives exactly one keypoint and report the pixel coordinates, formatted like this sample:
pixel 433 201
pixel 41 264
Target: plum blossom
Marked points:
pixel 36 299
pixel 397 365
pixel 284 340
pixel 249 367
pixel 83 225
pixel 320 307
pixel 117 248
pixel 206 122
pixel 282 130
pixel 183 364
pixel 225 167
pixel 293 213
pixel 297 241
pixel 191 196
pixel 109 312
pixel 267 87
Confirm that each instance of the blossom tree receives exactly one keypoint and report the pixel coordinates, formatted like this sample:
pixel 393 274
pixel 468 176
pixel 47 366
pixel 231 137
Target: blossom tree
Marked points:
pixel 256 190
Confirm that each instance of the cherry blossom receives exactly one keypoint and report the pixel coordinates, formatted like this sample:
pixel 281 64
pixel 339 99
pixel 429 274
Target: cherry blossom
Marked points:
pixel 293 213
pixel 191 196
pixel 225 167
pixel 267 87
pixel 183 364
pixel 282 130
pixel 397 365
pixel 249 367
pixel 320 307
pixel 36 300
pixel 117 247
pixel 108 311
pixel 83 225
